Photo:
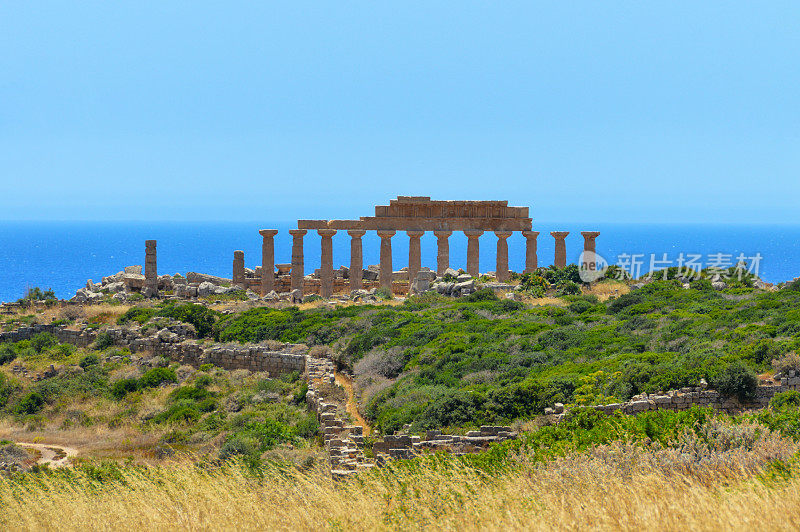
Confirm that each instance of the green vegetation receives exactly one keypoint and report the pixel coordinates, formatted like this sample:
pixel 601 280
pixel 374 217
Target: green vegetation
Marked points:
pixel 202 318
pixel 478 359
pixel 37 294
pixel 244 411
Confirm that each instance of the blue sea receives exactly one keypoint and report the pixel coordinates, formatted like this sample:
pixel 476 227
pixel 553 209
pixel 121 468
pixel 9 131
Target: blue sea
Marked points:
pixel 63 255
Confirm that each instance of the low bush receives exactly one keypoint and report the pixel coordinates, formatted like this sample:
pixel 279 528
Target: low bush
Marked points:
pixel 89 360
pixel 157 376
pixel 123 387
pixel 103 341
pixel 782 400
pixel 735 380
pixel 7 353
pixel 384 293
pixel 30 403
pixel 42 341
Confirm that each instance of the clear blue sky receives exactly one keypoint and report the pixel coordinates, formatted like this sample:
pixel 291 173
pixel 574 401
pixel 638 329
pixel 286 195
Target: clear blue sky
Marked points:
pixel 586 111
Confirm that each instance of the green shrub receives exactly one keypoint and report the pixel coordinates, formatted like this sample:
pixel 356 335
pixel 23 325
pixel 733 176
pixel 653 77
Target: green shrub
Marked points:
pixel 30 403
pixel 735 380
pixel 203 381
pixel 7 353
pixel 190 393
pixel 533 283
pixel 568 288
pixel 307 427
pixel 37 294
pixel 202 318
pixel 786 399
pixel 140 315
pixel 103 341
pixel 484 294
pixel 182 412
pixel 235 447
pixel 42 341
pixel 300 395
pixel 123 387
pixel 89 360
pixel 384 293
pixel 157 376
pixel 7 389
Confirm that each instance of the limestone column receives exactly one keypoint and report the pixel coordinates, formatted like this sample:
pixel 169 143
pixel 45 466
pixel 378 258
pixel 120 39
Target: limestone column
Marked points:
pixel 385 272
pixel 326 261
pixel 297 258
pixel 414 254
pixel 502 272
pixel 268 260
pixel 531 260
pixel 238 269
pixel 356 258
pixel 473 255
pixel 443 251
pixel 588 240
pixel 560 260
pixel 150 269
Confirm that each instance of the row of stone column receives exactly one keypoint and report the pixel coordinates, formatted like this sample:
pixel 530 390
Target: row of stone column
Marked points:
pixel 385 271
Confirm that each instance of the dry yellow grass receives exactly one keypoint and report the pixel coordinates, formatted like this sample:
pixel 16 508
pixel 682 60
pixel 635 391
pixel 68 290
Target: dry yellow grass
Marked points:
pixel 100 312
pixel 613 488
pixel 607 288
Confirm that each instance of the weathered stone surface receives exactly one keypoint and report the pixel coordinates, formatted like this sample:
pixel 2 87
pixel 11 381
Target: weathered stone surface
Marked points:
pixel 560 259
pixel 531 259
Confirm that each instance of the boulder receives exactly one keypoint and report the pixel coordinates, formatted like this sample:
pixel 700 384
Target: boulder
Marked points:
pixel 115 287
pixel 296 296
pixel 133 281
pixel 272 296
pixel 205 289
pixel 149 291
pixel 719 285
pixel 194 277
pixel 136 270
pixel 464 288
pixel 451 271
pixel 463 278
pixel 369 275
pixel 165 282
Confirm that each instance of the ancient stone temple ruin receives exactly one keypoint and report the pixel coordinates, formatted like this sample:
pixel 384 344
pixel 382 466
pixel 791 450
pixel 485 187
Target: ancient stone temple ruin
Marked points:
pixel 414 215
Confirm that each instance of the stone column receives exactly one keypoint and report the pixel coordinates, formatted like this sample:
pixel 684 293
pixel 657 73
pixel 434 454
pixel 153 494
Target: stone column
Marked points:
pixel 268 260
pixel 326 262
pixel 443 251
pixel 531 260
pixel 502 272
pixel 414 254
pixel 385 272
pixel 150 269
pixel 356 258
pixel 238 269
pixel 473 252
pixel 561 248
pixel 297 258
pixel 588 240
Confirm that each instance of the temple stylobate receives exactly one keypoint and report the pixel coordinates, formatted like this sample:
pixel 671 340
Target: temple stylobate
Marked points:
pixel 414 215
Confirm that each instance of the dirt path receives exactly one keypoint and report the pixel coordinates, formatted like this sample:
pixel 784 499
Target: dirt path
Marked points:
pixel 352 406
pixel 52 455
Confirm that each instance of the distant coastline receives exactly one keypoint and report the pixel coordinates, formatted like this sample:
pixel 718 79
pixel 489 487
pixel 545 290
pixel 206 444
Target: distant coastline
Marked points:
pixel 63 255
